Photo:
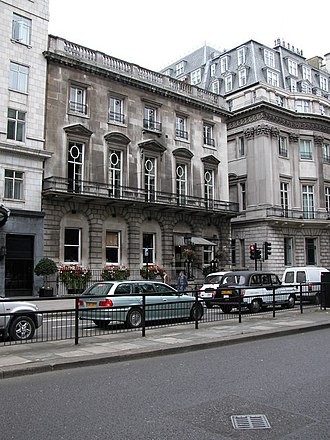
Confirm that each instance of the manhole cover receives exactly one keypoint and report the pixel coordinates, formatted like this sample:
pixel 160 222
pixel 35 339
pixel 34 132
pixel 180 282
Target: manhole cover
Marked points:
pixel 256 421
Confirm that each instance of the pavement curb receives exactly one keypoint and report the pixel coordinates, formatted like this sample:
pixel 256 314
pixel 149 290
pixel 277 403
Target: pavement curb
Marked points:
pixel 88 360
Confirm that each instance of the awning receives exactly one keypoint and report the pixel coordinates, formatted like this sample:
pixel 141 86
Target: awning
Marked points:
pixel 199 241
pixel 179 240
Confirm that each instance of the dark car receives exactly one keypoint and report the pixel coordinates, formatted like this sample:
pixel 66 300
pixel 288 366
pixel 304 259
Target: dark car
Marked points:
pixel 252 290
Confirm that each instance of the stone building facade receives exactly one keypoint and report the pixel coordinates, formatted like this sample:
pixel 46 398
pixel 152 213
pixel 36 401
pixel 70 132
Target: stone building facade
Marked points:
pixel 139 169
pixel 23 39
pixel 278 147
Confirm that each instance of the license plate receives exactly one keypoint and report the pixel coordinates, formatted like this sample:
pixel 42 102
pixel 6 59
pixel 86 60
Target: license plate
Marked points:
pixel 91 304
pixel 227 292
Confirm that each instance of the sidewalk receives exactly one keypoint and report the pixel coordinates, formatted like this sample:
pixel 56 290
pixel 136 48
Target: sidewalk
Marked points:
pixel 31 358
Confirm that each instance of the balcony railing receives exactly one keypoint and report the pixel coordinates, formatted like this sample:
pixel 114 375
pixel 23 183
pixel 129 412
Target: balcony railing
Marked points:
pixel 209 141
pixel 152 125
pixel 297 215
pixel 183 134
pixel 62 187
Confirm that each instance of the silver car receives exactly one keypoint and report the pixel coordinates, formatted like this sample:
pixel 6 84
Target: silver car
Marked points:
pixel 122 301
pixel 19 319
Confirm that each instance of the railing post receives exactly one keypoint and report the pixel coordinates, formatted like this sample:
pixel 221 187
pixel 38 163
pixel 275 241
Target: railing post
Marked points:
pixel 143 315
pixel 273 302
pixel 196 308
pixel 240 305
pixel 300 300
pixel 76 322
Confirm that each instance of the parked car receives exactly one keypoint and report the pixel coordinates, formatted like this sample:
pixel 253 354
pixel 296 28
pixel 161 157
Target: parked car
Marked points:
pixel 306 278
pixel 19 319
pixel 254 290
pixel 209 288
pixel 121 301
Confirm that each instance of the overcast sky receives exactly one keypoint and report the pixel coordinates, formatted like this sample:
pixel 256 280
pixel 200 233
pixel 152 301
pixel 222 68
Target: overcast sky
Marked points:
pixel 154 34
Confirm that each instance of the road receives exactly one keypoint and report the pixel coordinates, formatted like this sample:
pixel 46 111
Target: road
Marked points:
pixel 186 396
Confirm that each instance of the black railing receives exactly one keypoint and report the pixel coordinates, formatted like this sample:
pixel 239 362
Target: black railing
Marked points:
pixel 117 117
pixel 297 215
pixel 181 134
pixel 78 107
pixel 60 185
pixel 152 125
pixel 209 141
pixel 67 323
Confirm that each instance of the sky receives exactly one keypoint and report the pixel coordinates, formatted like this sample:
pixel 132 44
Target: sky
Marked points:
pixel 155 34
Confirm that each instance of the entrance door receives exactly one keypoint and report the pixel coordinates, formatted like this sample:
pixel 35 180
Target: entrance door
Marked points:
pixel 19 265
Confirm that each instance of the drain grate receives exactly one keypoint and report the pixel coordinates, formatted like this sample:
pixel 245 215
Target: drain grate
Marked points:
pixel 256 421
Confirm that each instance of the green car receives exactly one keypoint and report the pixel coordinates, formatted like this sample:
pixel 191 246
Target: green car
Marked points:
pixel 110 302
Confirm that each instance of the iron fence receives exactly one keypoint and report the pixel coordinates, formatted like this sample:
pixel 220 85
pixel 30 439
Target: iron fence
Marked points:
pixel 74 323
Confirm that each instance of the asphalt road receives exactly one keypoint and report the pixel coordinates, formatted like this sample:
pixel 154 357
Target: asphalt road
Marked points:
pixel 185 396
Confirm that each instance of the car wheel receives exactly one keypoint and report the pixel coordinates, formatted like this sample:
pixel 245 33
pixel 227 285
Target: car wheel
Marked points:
pixel 22 328
pixel 209 305
pixel 255 306
pixel 134 318
pixel 196 312
pixel 100 323
pixel 291 302
pixel 226 309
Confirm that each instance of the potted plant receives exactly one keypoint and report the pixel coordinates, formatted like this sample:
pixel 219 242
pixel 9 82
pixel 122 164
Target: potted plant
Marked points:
pixel 46 267
pixel 151 271
pixel 114 272
pixel 75 277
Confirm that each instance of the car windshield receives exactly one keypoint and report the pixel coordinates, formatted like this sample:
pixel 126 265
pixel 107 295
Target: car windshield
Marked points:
pixel 213 279
pixel 99 289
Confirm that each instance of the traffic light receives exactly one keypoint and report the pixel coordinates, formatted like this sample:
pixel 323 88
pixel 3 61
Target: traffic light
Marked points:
pixel 268 249
pixel 252 252
pixel 258 254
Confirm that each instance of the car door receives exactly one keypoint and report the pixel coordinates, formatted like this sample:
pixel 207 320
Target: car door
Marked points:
pixel 175 304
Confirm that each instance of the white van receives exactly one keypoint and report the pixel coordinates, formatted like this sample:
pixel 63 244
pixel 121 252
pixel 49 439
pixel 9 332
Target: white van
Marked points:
pixel 309 277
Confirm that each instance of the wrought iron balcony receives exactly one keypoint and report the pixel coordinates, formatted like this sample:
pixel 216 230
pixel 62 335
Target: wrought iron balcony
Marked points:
pixel 183 134
pixel 117 117
pixel 209 141
pixel 152 125
pixel 297 215
pixel 65 189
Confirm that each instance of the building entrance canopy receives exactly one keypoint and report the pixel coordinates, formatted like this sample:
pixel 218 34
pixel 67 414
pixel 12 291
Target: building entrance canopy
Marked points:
pixel 181 240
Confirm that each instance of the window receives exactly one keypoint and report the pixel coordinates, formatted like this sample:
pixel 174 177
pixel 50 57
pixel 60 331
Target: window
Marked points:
pixel 288 251
pixel 311 247
pixel 280 100
pixel 208 254
pixel 228 83
pixel 269 58
pixel 13 185
pixel 326 152
pixel 115 173
pixel 327 198
pixel 242 197
pixel 209 188
pixel 148 248
pixel 21 29
pixel 16 125
pixel 284 190
pixel 112 248
pixel 181 183
pixel 307 73
pixel 224 63
pixel 242 77
pixel 241 56
pixel 116 110
pixel 150 178
pixel 208 135
pixel 305 149
pixel 241 146
pixel 282 146
pixel 77 101
pixel 293 85
pixel 196 77
pixel 212 69
pixel 179 68
pixel 18 78
pixel 272 78
pixel 215 87
pixel 181 127
pixel 324 83
pixel 308 201
pixel 75 166
pixel 150 119
pixel 306 87
pixel 293 67
pixel 302 106
pixel 72 245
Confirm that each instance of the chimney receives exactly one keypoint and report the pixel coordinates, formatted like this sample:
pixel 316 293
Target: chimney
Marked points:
pixel 327 61
pixel 315 62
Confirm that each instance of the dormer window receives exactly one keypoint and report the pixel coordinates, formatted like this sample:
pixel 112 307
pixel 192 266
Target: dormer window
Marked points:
pixel 241 58
pixel 269 58
pixel 179 68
